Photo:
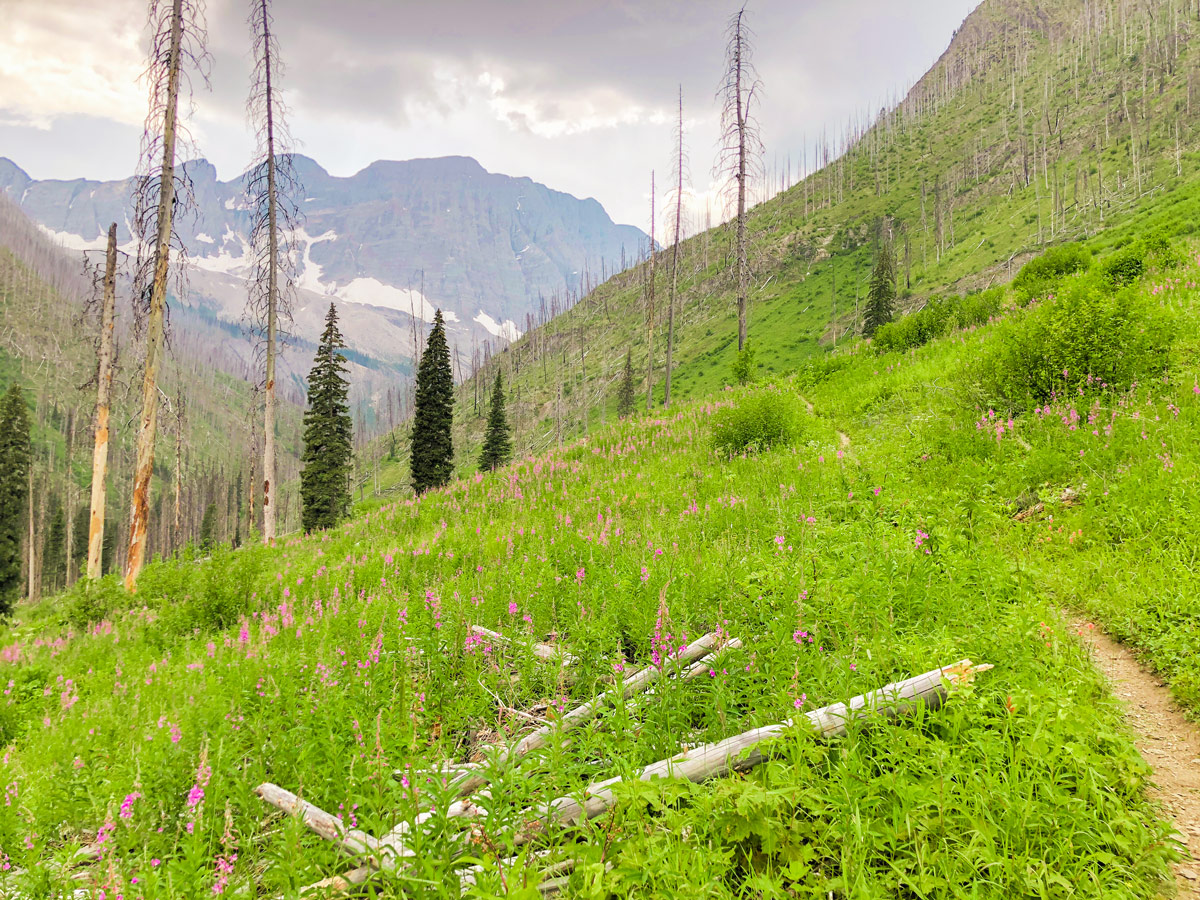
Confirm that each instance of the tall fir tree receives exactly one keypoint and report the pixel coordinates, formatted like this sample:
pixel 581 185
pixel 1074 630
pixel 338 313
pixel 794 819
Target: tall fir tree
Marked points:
pixel 432 459
pixel 15 459
pixel 881 292
pixel 79 539
pixel 625 396
pixel 328 432
pixel 54 548
pixel 497 441
pixel 208 528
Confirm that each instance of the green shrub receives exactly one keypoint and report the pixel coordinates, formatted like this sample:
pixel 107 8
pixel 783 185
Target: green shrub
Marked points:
pixel 767 417
pixel 91 601
pixel 1040 275
pixel 1089 336
pixel 1125 266
pixel 939 316
pixel 743 365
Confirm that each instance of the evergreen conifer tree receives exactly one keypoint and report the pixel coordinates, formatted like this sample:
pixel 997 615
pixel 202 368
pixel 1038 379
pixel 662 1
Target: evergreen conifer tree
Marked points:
pixel 328 431
pixel 208 528
pixel 79 539
pixel 625 391
pixel 54 547
pixel 432 459
pixel 881 293
pixel 15 459
pixel 497 442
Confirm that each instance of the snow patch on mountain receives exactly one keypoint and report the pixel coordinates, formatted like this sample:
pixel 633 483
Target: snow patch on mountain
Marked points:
pixel 507 330
pixel 373 292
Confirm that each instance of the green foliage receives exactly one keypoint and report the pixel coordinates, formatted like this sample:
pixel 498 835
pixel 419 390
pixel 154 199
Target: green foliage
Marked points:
pixel 208 528
pixel 1090 336
pixel 497 442
pixel 881 292
pixel 939 316
pixel 1042 273
pixel 79 537
pixel 91 601
pixel 14 491
pixel 625 393
pixel 328 432
pixel 54 547
pixel 744 366
pixel 432 457
pixel 762 419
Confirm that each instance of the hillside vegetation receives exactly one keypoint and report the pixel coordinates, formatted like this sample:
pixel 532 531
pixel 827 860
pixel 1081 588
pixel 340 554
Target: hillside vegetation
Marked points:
pixel 894 526
pixel 1041 123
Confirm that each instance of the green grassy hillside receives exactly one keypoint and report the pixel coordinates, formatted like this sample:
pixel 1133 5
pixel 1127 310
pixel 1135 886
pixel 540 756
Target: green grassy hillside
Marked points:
pixel 1041 123
pixel 898 525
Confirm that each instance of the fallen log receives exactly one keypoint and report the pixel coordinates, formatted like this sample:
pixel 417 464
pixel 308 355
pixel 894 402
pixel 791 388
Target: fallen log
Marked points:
pixel 330 827
pixel 548 652
pixel 468 781
pixel 743 751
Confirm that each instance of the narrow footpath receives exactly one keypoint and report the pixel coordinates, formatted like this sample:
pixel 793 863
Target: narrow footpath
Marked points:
pixel 1166 740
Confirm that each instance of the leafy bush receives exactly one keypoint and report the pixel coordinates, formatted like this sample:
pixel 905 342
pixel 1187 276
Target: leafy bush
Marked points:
pixel 1090 335
pixel 768 417
pixel 1129 263
pixel 90 601
pixel 743 365
pixel 1039 276
pixel 939 316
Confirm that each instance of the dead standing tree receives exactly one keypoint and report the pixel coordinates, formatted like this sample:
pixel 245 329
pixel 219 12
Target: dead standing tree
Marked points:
pixel 272 188
pixel 177 41
pixel 650 307
pixel 104 380
pixel 680 173
pixel 740 156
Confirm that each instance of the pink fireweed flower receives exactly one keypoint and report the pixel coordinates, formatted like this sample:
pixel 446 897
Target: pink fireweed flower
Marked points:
pixel 800 701
pixel 512 608
pixel 127 805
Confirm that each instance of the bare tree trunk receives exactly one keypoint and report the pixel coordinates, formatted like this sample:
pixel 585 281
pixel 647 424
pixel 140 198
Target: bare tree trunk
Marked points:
pixel 144 470
pixel 33 579
pixel 675 251
pixel 273 299
pixel 650 308
pixel 103 395
pixel 68 503
pixel 741 262
pixel 176 533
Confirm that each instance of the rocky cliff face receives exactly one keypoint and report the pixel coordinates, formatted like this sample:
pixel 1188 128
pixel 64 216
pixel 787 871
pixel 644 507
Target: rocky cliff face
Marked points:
pixel 394 241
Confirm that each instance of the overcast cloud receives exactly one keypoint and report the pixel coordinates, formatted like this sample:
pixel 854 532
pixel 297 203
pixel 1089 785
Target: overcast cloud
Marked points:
pixel 577 95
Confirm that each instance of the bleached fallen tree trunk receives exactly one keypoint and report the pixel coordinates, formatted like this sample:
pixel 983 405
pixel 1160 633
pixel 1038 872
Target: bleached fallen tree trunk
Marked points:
pixel 104 381
pixel 740 753
pixel 634 684
pixel 547 652
pixel 743 751
pixel 469 777
pixel 330 827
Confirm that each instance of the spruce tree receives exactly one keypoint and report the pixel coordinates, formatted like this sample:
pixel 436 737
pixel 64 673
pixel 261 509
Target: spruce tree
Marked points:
pixel 208 528
pixel 625 391
pixel 53 548
pixel 79 539
pixel 497 442
pixel 432 458
pixel 15 459
pixel 882 290
pixel 328 431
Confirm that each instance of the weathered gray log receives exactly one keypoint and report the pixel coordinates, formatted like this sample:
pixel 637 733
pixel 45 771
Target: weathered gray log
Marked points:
pixel 548 652
pixel 466 782
pixel 743 751
pixel 330 827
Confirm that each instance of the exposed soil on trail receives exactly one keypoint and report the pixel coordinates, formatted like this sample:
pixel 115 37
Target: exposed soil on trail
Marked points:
pixel 1166 740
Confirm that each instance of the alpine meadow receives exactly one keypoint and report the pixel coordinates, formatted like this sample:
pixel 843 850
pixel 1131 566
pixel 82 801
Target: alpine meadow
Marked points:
pixel 415 531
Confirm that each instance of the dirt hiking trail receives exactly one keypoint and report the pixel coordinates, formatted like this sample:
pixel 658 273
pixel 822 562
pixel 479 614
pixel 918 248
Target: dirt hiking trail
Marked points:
pixel 1166 740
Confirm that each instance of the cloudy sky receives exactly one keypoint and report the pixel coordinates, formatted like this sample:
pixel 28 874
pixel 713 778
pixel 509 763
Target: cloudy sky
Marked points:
pixel 578 95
